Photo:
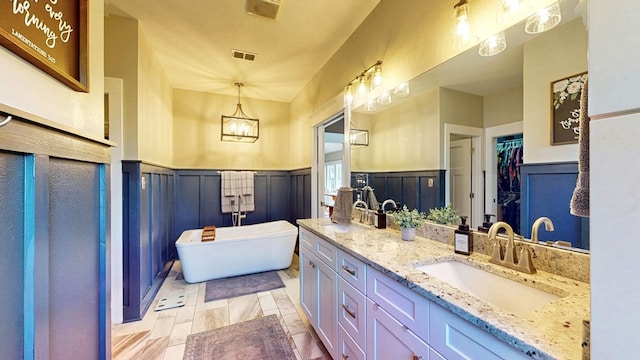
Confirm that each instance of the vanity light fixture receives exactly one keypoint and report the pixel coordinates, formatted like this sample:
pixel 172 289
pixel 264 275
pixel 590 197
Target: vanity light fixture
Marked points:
pixel 363 89
pixel 370 105
pixel 493 45
pixel 370 78
pixel 358 137
pixel 462 24
pixel 384 99
pixel 544 19
pixel 401 90
pixel 348 96
pixel 508 7
pixel 239 127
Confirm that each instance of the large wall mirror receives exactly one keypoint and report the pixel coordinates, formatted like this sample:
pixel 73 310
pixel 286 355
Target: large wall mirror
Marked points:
pixel 471 126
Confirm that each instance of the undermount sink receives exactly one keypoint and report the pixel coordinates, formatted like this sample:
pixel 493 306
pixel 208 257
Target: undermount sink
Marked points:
pixel 505 294
pixel 343 228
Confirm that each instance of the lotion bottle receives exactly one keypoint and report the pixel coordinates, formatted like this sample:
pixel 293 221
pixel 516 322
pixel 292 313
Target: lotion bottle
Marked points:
pixel 381 218
pixel 486 224
pixel 463 238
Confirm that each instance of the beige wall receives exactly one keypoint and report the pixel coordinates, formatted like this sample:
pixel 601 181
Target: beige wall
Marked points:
pixel 460 108
pixel 410 36
pixel 147 108
pixel 405 137
pixel 155 109
pixel 121 61
pixel 28 89
pixel 196 136
pixel 549 57
pixel 503 107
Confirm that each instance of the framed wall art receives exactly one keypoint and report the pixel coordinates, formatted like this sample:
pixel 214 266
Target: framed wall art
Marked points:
pixel 51 35
pixel 565 111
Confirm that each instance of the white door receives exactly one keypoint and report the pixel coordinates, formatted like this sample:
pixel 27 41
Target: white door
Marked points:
pixel 460 178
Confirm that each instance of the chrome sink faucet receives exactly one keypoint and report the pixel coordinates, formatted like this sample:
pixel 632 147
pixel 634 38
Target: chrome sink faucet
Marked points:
pixel 389 201
pixel 548 225
pixel 509 259
pixel 364 214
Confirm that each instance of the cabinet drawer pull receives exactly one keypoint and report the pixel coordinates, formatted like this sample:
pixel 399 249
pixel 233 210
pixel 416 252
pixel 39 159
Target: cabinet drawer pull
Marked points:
pixel 345 357
pixel 417 357
pixel 405 328
pixel 351 313
pixel 346 268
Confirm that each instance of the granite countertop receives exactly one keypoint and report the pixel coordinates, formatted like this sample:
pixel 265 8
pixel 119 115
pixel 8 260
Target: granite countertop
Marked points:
pixel 553 331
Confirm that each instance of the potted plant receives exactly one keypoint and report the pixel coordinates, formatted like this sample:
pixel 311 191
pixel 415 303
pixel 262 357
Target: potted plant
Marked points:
pixel 409 221
pixel 445 216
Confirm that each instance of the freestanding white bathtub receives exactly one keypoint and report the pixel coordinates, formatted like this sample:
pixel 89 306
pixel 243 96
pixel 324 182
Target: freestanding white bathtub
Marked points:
pixel 236 250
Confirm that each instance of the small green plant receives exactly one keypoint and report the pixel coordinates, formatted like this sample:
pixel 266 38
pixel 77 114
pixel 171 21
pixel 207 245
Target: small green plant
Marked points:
pixel 409 219
pixel 444 215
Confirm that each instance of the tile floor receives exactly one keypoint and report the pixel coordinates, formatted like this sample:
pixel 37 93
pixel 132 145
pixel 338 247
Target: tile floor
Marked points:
pixel 162 335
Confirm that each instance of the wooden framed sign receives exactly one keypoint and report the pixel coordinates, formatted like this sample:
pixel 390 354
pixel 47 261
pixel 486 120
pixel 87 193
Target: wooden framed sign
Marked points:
pixel 51 35
pixel 565 112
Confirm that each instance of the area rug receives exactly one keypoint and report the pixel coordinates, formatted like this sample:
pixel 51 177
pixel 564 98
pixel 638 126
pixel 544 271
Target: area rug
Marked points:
pixel 242 285
pixel 261 338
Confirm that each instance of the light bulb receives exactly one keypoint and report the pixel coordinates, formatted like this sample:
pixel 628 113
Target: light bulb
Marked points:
pixel 384 99
pixel 362 86
pixel 511 5
pixel 401 90
pixel 461 15
pixel 233 128
pixel 370 105
pixel 493 45
pixel 348 96
pixel 377 76
pixel 544 19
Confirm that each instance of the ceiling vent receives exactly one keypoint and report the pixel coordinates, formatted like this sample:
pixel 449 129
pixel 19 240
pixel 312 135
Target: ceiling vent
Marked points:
pixel 244 55
pixel 265 8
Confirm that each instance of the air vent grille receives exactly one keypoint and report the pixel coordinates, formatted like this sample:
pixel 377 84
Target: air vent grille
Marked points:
pixel 245 55
pixel 265 8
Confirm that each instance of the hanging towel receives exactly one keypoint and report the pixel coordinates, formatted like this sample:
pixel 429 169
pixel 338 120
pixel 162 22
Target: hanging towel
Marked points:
pixel 230 191
pixel 246 191
pixel 580 199
pixel 237 191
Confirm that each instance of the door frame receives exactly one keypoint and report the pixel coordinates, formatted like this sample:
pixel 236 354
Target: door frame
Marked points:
pixel 477 141
pixel 491 136
pixel 317 167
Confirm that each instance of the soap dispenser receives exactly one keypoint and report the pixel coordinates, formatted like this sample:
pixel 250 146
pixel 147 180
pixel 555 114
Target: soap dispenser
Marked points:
pixel 486 225
pixel 463 238
pixel 381 218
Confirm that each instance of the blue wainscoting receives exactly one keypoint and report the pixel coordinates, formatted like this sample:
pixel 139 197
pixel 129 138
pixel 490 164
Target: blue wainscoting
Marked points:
pixel 54 266
pixel 422 190
pixel 279 195
pixel 546 191
pixel 148 236
pixel 74 267
pixel 12 266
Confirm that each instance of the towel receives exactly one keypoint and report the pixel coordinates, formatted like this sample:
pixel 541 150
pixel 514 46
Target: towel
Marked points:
pixel 580 199
pixel 237 191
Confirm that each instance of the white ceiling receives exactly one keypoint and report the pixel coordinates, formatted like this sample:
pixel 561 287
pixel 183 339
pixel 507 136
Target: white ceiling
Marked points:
pixel 192 41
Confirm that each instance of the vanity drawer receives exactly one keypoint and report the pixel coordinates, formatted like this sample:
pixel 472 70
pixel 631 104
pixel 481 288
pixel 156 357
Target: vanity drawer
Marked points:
pixel 321 248
pixel 410 308
pixel 456 338
pixel 352 270
pixel 348 349
pixel 352 311
pixel 307 239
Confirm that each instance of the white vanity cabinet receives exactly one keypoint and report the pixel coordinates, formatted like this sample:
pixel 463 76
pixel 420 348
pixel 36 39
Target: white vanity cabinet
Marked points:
pixel 388 338
pixel 457 339
pixel 352 307
pixel 319 286
pixel 361 313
